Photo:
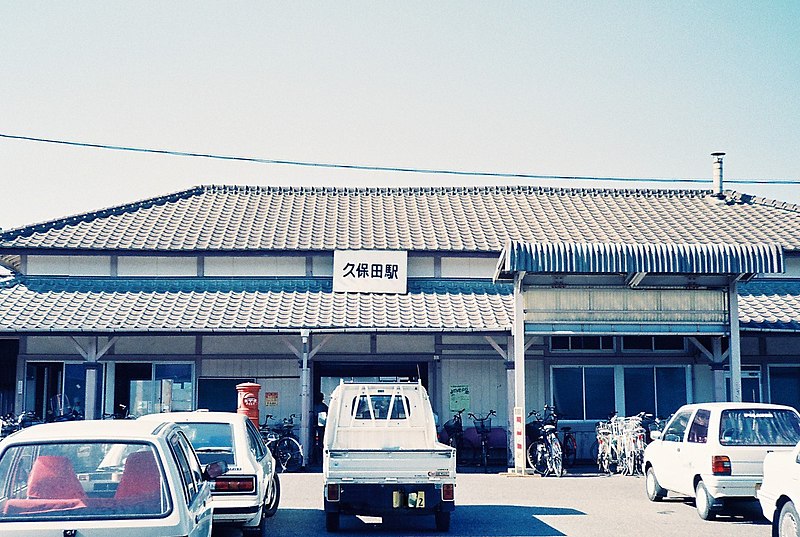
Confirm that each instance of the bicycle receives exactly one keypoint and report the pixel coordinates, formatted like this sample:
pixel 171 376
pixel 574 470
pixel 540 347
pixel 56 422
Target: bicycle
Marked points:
pixel 283 443
pixel 544 454
pixel 570 445
pixel 121 414
pixel 483 426
pixel 454 431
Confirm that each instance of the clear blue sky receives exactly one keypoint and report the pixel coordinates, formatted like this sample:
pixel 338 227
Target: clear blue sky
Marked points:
pixel 631 89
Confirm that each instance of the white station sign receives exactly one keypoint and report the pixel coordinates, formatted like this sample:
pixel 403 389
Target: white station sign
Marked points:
pixel 370 271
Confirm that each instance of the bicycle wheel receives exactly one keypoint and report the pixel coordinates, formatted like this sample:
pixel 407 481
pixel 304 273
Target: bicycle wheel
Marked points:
pixel 485 455
pixel 537 458
pixel 289 454
pixel 570 451
pixel 555 461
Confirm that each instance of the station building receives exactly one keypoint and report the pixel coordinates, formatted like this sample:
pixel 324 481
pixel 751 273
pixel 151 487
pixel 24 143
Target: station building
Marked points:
pixel 593 300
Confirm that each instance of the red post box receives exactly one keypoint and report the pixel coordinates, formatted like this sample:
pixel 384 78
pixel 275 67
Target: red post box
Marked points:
pixel 247 396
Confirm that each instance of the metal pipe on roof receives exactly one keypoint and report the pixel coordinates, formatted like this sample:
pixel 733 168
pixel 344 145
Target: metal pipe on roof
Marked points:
pixel 718 172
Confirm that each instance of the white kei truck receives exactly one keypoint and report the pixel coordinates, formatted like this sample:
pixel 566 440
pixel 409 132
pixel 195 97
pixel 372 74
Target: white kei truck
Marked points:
pixel 381 456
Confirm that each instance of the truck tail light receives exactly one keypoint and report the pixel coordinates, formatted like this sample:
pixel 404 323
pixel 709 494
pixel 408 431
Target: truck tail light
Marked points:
pixel 234 484
pixel 721 465
pixel 448 492
pixel 333 493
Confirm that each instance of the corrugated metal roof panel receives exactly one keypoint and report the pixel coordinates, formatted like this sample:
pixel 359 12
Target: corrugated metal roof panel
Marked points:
pixel 591 258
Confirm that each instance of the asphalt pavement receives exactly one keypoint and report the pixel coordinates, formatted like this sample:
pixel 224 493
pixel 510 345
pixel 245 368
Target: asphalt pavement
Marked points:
pixel 579 504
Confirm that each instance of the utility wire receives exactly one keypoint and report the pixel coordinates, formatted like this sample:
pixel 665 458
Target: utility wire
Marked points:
pixel 395 168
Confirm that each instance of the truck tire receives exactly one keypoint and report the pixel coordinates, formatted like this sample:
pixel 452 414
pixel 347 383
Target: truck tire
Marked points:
pixel 443 521
pixel 331 522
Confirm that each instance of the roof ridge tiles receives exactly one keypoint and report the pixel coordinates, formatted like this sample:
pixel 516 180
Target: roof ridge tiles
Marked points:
pixel 90 216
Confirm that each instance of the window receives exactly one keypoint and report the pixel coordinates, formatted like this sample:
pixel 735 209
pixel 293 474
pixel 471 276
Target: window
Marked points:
pixel 759 427
pixel 698 432
pixel 582 343
pixel 211 441
pixel 185 470
pixel 677 427
pixel 656 390
pixel 380 407
pixel 784 385
pixel 255 441
pixel 583 392
pixel 653 343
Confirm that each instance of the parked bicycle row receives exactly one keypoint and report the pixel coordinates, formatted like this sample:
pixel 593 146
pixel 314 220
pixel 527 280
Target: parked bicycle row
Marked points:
pixel 546 453
pixel 621 442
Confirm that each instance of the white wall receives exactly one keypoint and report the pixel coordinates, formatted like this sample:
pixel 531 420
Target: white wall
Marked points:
pixel 487 385
pixel 420 267
pixel 405 344
pixel 128 265
pixel 69 265
pixel 259 345
pixel 255 266
pixel 468 267
pixel 155 345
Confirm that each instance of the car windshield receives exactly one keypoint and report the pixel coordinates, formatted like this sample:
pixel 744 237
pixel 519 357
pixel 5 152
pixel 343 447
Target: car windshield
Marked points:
pixel 211 441
pixel 759 427
pixel 82 480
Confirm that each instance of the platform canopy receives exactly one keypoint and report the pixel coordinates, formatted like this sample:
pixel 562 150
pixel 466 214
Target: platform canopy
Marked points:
pixel 626 258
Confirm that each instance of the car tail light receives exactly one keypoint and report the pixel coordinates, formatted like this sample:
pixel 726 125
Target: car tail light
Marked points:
pixel 234 484
pixel 721 465
pixel 448 492
pixel 333 493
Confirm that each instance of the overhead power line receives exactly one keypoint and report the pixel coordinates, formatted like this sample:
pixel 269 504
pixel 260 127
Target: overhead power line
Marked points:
pixel 364 167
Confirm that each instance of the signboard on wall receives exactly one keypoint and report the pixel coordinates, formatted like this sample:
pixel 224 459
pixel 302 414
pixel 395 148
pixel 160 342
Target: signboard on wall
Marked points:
pixel 270 398
pixel 459 396
pixel 370 271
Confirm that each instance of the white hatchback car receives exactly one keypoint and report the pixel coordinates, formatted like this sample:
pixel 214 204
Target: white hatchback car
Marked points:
pixel 715 452
pixel 249 492
pixel 99 478
pixel 780 492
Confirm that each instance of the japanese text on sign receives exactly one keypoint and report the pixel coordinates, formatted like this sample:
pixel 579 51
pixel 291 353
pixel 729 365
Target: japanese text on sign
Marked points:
pixel 370 271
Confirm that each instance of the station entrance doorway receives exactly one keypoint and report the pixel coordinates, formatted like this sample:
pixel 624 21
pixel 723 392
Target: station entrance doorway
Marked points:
pixel 328 375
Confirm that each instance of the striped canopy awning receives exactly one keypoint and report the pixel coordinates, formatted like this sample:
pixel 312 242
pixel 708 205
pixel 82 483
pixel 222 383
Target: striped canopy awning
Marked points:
pixel 625 258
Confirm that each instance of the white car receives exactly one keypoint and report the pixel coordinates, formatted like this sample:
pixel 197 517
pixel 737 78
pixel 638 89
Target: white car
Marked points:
pixel 780 492
pixel 714 452
pixel 100 478
pixel 249 492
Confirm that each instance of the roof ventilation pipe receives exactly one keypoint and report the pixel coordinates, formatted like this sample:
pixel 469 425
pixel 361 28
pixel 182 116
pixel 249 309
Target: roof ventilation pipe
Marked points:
pixel 718 172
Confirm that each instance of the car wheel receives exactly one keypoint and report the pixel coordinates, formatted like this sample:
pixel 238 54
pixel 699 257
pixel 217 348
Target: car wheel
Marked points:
pixel 655 492
pixel 332 522
pixel 704 502
pixel 443 521
pixel 787 523
pixel 271 503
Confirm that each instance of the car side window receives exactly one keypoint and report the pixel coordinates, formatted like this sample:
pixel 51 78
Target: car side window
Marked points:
pixel 254 441
pixel 698 432
pixel 677 427
pixel 191 457
pixel 189 487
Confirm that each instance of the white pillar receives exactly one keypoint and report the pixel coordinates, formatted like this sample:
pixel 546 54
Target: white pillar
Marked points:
pixel 305 399
pixel 735 349
pixel 518 334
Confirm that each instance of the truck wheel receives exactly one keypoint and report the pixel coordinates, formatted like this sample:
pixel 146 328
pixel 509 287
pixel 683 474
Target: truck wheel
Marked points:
pixel 704 502
pixel 443 521
pixel 332 522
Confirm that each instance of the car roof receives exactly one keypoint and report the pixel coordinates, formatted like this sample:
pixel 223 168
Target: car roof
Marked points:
pixel 723 405
pixel 195 416
pixel 89 430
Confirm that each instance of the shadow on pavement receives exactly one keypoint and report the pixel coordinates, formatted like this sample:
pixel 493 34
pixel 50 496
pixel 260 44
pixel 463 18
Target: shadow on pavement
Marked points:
pixel 477 520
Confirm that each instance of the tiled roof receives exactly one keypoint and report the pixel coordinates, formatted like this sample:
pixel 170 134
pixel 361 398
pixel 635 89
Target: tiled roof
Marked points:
pixel 236 218
pixel 769 305
pixel 245 305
